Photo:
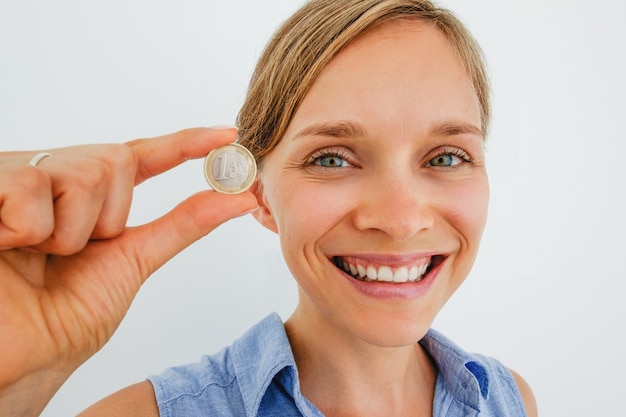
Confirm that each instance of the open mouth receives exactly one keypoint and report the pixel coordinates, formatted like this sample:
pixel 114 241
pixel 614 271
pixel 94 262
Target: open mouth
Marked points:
pixel 369 272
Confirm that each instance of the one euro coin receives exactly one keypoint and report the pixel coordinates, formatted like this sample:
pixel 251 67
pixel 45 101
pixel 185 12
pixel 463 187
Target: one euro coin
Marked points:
pixel 230 169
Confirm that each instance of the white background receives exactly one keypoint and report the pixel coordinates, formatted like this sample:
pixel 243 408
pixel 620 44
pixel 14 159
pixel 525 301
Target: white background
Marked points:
pixel 547 293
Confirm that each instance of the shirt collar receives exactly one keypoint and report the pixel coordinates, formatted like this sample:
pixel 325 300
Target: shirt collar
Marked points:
pixel 464 375
pixel 264 351
pixel 258 356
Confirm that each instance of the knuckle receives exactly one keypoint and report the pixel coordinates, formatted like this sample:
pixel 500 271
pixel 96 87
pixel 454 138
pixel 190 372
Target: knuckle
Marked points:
pixel 54 247
pixel 121 160
pixel 68 249
pixel 65 244
pixel 92 175
pixel 29 179
pixel 25 214
pixel 31 233
pixel 108 230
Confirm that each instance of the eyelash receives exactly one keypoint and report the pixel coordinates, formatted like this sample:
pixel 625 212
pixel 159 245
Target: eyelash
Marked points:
pixel 330 153
pixel 459 153
pixel 338 153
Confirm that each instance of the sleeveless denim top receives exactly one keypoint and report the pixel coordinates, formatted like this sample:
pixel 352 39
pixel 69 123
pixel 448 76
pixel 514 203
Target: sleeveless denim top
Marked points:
pixel 257 377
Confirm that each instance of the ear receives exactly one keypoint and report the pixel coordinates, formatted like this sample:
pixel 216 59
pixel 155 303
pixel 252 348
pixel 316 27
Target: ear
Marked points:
pixel 264 213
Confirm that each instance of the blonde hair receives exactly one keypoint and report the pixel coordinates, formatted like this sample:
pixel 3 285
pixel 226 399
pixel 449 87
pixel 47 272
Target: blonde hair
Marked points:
pixel 306 42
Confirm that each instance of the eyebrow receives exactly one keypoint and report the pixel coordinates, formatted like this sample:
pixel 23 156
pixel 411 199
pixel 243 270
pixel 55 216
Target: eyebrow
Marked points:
pixel 340 129
pixel 456 128
pixel 348 129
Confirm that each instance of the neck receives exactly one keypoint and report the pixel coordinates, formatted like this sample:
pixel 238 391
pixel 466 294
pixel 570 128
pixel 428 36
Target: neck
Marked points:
pixel 344 375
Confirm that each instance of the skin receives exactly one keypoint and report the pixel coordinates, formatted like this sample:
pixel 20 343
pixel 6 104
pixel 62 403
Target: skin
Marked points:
pixel 69 265
pixel 389 198
pixel 403 100
pixel 382 163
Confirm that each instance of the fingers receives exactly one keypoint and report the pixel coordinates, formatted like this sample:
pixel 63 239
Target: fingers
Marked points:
pixel 79 187
pixel 158 155
pixel 85 192
pixel 114 167
pixel 57 206
pixel 155 243
pixel 26 209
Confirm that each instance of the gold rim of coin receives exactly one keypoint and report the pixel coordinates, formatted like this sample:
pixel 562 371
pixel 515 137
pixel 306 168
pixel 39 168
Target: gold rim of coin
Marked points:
pixel 230 169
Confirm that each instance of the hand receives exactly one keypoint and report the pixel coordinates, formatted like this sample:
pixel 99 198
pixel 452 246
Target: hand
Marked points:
pixel 69 266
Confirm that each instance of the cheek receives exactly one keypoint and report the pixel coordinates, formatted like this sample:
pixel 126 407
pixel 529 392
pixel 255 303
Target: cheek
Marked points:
pixel 307 211
pixel 467 210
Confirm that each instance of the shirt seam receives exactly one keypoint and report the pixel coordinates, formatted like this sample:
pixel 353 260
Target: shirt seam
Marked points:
pixel 199 392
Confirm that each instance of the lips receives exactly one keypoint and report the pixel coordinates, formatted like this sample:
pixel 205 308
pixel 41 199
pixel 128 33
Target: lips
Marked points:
pixel 368 270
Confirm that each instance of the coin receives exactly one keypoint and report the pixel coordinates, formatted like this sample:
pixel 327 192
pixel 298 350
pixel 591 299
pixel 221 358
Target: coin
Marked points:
pixel 230 169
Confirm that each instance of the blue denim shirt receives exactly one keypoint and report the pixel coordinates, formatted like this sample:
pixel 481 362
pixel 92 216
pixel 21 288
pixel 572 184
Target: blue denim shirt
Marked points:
pixel 257 376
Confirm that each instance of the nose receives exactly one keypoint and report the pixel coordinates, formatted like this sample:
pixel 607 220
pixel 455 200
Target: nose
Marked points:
pixel 396 204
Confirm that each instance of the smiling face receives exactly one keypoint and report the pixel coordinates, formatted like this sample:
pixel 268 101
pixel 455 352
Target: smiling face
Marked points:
pixel 378 188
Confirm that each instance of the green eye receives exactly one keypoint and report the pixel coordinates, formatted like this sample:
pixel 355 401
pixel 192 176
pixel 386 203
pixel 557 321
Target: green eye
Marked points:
pixel 331 161
pixel 449 158
pixel 444 160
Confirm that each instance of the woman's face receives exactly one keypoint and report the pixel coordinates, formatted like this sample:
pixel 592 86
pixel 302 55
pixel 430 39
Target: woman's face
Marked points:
pixel 378 189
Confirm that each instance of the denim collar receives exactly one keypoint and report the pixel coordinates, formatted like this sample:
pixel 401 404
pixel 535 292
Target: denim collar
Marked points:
pixel 263 354
pixel 465 377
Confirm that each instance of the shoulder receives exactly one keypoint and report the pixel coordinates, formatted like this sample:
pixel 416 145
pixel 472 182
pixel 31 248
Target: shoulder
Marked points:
pixel 527 394
pixel 136 399
pixel 209 384
pixel 231 382
pixel 257 372
pixel 477 380
pixel 509 385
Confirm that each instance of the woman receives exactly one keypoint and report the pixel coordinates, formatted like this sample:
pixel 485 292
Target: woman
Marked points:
pixel 368 120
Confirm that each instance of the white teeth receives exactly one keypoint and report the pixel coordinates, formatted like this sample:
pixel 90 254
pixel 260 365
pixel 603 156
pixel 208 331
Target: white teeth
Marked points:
pixel 371 273
pixel 401 275
pixel 413 273
pixel 385 273
pixel 362 271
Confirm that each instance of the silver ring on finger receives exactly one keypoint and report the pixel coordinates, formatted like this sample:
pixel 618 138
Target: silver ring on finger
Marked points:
pixel 37 158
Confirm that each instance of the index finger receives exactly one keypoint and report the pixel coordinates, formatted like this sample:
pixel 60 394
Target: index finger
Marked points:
pixel 157 155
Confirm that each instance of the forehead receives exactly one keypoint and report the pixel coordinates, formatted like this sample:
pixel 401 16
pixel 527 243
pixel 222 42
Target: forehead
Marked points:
pixel 393 29
pixel 406 66
pixel 410 41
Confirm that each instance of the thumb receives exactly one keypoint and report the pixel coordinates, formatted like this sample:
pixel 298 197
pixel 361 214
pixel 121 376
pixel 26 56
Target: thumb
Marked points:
pixel 157 242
